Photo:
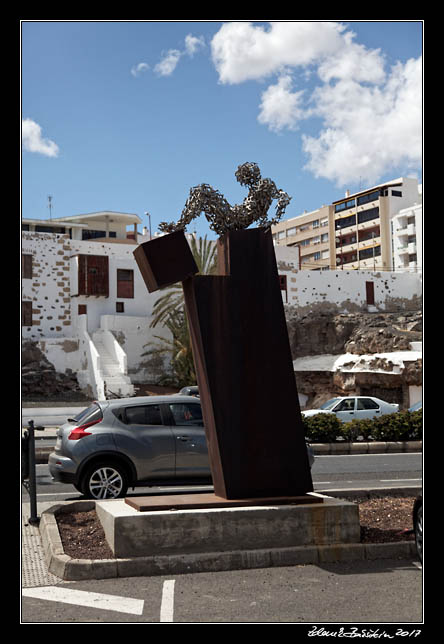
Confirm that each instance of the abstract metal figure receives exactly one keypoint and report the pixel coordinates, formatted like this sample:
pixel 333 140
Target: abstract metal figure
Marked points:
pixel 221 216
pixel 240 342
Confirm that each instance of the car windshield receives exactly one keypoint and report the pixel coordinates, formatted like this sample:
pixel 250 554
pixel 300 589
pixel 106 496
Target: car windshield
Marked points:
pixel 90 413
pixel 329 404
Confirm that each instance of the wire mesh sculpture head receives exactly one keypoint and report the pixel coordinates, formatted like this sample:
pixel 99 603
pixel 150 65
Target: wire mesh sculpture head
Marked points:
pixel 222 216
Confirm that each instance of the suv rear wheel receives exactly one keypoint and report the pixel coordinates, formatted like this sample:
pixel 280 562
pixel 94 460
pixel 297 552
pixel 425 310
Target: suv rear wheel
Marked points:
pixel 104 480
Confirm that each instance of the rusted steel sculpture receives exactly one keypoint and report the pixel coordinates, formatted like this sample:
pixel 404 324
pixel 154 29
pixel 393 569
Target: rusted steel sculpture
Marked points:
pixel 240 342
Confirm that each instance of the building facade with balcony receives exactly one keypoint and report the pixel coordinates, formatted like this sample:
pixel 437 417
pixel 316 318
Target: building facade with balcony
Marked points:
pixel 312 233
pixel 363 224
pixel 407 239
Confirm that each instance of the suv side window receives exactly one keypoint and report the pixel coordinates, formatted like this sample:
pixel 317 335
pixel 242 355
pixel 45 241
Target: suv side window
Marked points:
pixel 187 414
pixel 367 403
pixel 143 415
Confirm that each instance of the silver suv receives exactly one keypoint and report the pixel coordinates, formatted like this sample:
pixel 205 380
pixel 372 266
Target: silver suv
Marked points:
pixel 116 444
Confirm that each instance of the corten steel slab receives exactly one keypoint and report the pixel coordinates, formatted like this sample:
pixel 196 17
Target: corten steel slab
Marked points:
pixel 210 501
pixel 161 260
pixel 244 368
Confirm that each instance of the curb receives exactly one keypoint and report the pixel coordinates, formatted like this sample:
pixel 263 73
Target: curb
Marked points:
pixel 371 447
pixel 69 569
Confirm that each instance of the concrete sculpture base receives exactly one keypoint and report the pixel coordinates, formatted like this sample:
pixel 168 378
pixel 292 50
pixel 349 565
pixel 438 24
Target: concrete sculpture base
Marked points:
pixel 131 533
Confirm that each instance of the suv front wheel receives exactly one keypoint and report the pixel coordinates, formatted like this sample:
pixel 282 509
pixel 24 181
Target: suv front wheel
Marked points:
pixel 104 481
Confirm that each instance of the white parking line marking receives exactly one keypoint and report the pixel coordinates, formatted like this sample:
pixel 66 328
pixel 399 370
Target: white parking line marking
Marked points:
pixel 167 604
pixel 86 598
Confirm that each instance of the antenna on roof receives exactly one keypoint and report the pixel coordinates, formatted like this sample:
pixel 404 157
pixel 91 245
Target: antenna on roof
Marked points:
pixel 50 205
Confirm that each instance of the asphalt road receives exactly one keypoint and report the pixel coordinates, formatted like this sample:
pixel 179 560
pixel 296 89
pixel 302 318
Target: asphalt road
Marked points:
pixel 328 472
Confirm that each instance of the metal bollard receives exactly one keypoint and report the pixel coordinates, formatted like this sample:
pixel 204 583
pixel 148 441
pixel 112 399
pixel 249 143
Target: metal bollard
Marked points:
pixel 28 469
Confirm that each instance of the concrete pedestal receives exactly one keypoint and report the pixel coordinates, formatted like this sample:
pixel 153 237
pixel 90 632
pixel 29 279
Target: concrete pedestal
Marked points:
pixel 131 533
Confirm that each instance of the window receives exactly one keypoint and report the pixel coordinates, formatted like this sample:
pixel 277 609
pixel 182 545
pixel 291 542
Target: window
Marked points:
pixel 370 252
pixel 291 232
pixel 93 275
pixel 367 215
pixel 82 309
pixel 26 266
pixel 370 196
pixel 26 313
pixel 120 307
pixel 345 222
pixel 366 403
pixel 344 205
pixel 187 414
pixel 346 405
pixel 396 193
pixel 316 223
pixel 94 234
pixel 93 413
pixel 143 415
pixel 125 283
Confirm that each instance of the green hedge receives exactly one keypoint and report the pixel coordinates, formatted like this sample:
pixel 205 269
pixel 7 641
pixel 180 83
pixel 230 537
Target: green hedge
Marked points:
pixel 400 426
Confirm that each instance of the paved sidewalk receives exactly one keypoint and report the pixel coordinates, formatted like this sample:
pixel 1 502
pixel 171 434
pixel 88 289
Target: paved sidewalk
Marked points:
pixel 34 569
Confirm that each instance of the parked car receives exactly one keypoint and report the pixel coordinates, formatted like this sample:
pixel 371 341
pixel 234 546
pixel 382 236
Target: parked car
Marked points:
pixel 116 444
pixel 192 390
pixel 417 406
pixel 417 525
pixel 351 407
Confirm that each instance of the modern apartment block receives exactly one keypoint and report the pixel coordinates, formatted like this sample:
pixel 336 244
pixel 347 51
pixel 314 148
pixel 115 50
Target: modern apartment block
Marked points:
pixel 353 233
pixel 362 224
pixel 312 232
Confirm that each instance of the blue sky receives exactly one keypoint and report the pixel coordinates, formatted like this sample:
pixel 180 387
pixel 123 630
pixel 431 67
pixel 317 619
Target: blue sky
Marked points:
pixel 128 116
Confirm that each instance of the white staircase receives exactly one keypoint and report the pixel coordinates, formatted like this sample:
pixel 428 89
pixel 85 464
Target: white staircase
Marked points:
pixel 112 369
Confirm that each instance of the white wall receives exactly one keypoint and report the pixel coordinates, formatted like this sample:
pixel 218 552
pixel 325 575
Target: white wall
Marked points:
pixel 347 289
pixel 49 288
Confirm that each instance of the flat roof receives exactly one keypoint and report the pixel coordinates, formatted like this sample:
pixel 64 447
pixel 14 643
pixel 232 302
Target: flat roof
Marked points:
pixel 388 184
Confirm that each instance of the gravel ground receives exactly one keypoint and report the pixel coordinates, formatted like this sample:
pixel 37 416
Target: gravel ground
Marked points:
pixel 382 519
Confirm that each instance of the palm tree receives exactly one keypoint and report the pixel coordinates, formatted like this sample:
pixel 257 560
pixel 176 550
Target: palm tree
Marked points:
pixel 204 253
pixel 169 310
pixel 179 346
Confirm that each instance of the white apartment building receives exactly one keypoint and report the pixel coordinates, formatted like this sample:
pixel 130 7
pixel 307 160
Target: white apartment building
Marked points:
pixel 407 238
pixel 354 232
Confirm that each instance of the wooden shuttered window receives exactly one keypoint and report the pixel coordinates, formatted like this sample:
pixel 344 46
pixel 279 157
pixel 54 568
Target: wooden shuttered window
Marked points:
pixel 26 313
pixel 93 275
pixel 125 283
pixel 26 266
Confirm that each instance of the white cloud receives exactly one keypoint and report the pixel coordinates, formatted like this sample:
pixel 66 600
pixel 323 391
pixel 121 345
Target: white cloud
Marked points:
pixel 139 69
pixel 371 118
pixel 193 44
pixel 280 107
pixel 33 141
pixel 242 51
pixel 170 60
pixel 367 130
pixel 168 63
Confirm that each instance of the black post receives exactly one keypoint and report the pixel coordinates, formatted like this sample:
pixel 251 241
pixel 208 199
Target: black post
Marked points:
pixel 32 490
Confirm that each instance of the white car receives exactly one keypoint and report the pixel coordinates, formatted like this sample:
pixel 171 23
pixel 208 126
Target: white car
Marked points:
pixel 351 407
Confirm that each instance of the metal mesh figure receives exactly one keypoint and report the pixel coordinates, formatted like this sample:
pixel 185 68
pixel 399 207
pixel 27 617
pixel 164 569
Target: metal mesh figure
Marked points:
pixel 222 216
